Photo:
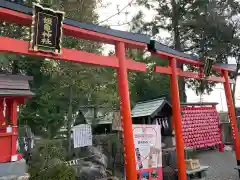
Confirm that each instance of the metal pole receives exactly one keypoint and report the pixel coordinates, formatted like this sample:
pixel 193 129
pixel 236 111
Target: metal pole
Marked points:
pixel 221 145
pixel 232 115
pixel 221 100
pixel 125 109
pixel 182 173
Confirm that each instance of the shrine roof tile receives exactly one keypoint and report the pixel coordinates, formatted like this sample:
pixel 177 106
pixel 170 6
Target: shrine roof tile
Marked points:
pixel 149 108
pixel 13 85
pixel 6 92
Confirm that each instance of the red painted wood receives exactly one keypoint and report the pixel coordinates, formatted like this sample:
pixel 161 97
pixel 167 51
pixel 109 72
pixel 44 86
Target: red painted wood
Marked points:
pixel 2 118
pixel 186 60
pixel 176 111
pixel 13 111
pixel 20 18
pixel 15 17
pixel 163 70
pixel 231 114
pixel 167 70
pixel 19 99
pixel 12 114
pixel 24 19
pixel 14 143
pixel 21 47
pixel 8 109
pixel 125 109
pixel 89 58
pixel 196 76
pixel 136 66
pixel 5 151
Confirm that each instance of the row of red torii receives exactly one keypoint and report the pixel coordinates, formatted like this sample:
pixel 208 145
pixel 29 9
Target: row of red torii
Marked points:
pixel 15 13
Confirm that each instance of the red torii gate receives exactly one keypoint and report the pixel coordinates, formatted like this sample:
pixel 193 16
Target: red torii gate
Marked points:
pixel 18 14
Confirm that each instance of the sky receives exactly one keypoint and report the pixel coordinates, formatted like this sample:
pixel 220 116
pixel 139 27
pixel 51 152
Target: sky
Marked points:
pixel 118 22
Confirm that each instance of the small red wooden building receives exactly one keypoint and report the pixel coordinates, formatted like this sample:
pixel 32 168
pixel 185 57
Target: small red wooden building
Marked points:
pixel 14 89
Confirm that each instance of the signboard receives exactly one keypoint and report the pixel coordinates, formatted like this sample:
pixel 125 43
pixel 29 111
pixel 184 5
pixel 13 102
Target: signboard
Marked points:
pixel 46 31
pixel 208 66
pixel 82 135
pixel 148 152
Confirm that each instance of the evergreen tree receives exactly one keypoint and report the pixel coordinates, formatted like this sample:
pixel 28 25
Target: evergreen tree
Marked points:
pixel 60 87
pixel 201 28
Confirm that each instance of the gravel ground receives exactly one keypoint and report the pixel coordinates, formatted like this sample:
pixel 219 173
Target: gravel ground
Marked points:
pixel 221 165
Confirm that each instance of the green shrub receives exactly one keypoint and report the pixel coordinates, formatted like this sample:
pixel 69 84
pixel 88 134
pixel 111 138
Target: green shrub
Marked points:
pixel 57 172
pixel 48 162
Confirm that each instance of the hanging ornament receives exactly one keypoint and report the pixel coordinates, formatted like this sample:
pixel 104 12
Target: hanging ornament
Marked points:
pixel 166 123
pixel 163 123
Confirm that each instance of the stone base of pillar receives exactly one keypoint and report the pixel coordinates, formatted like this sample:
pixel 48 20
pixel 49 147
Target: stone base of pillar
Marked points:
pixel 16 157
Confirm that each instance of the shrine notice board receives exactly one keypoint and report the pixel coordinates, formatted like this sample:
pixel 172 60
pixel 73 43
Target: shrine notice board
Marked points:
pixel 200 127
pixel 82 135
pixel 148 151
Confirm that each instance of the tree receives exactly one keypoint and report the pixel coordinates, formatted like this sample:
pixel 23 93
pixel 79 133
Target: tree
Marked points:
pixel 166 11
pixel 235 47
pixel 60 87
pixel 199 27
pixel 149 85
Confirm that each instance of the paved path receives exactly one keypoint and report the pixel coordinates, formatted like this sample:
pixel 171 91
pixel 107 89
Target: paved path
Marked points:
pixel 221 165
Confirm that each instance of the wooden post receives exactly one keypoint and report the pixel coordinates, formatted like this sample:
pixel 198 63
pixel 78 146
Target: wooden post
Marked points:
pixel 125 109
pixel 232 115
pixel 8 110
pixel 13 119
pixel 176 111
pixel 2 119
pixel 13 115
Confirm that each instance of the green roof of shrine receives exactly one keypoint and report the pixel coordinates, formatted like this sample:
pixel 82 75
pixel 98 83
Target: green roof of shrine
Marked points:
pixel 149 108
pixel 15 85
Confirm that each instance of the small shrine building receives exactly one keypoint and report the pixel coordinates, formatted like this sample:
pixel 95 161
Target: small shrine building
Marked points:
pixel 14 90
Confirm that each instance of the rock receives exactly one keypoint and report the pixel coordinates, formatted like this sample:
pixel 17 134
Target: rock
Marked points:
pixel 13 177
pixel 8 177
pixel 25 177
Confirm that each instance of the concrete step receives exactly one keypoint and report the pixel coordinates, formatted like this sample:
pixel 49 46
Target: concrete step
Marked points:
pixel 15 169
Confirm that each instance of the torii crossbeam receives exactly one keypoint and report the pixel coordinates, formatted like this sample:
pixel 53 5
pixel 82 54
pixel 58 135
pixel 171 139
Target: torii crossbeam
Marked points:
pixel 15 13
